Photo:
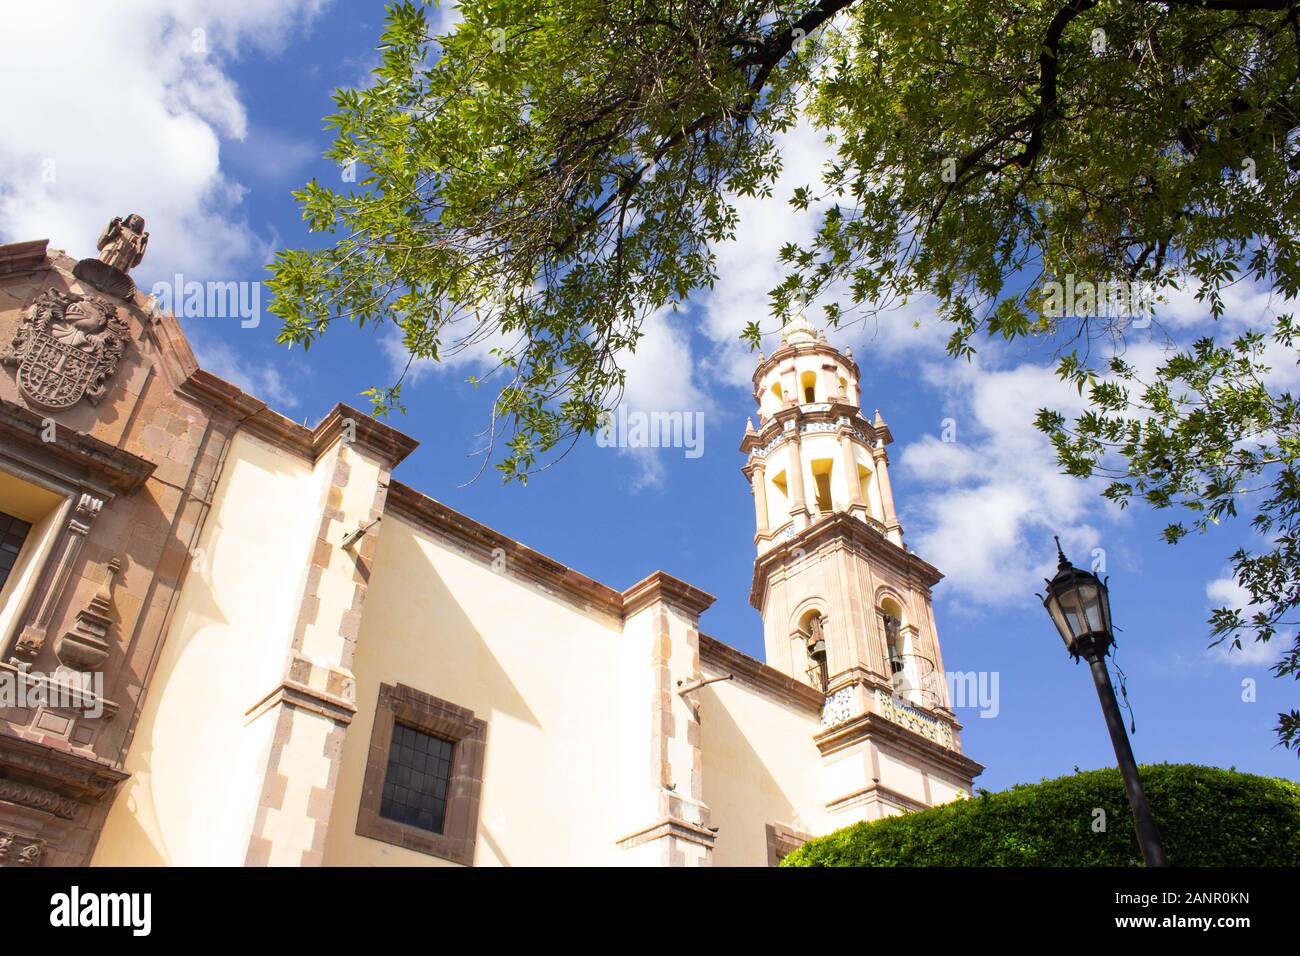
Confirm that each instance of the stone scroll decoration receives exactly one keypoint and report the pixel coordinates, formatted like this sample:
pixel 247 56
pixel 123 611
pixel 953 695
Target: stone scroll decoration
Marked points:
pixel 66 348
pixel 17 850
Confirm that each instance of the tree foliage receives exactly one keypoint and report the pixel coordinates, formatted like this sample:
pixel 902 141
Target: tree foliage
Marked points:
pixel 548 173
pixel 1207 817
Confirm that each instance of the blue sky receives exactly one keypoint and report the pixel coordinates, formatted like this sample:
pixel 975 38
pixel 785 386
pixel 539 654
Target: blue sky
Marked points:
pixel 214 116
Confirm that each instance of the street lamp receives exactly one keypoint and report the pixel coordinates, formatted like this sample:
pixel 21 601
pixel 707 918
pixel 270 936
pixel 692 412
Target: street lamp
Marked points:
pixel 1079 605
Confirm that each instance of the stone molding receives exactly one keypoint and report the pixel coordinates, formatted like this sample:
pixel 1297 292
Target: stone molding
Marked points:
pixel 829 417
pixel 670 827
pixel 18 850
pixel 383 441
pixel 293 694
pixel 782 841
pixel 876 793
pixel 85 779
pixel 869 726
pixel 662 587
pixel 484 542
pixel 38 798
pixel 19 258
pixel 840 530
pixel 74 458
pixel 790 350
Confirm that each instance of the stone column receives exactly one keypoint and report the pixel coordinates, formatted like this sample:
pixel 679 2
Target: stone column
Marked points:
pixel 33 635
pixel 760 496
pixel 662 817
pixel 893 531
pixel 798 508
pixel 850 468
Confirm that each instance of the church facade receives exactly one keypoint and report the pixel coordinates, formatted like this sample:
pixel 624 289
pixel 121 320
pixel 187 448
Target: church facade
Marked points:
pixel 230 639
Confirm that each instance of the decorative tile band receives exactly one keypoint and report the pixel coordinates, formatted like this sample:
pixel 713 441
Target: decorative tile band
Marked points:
pixel 900 712
pixel 838 707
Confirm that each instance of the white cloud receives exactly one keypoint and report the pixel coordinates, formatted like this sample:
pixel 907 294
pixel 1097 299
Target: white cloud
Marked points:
pixel 262 380
pixel 1226 592
pixel 119 108
pixel 660 375
pixel 748 266
pixel 984 508
pixel 465 349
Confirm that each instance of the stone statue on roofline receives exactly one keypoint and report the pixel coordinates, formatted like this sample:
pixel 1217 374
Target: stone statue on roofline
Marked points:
pixel 121 247
pixel 122 243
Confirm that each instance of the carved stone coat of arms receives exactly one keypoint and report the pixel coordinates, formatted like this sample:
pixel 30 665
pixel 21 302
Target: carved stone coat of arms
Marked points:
pixel 67 347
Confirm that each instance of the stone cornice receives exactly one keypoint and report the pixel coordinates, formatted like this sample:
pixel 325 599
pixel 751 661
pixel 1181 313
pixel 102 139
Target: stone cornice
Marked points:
pixel 522 561
pixel 790 350
pixel 660 586
pixel 852 531
pixel 368 433
pixel 669 827
pixel 294 694
pixel 254 415
pixel 247 412
pixel 880 793
pixel 18 258
pixel 425 512
pixel 872 725
pixel 820 412
pixel 77 458
pixel 79 777
pixel 749 670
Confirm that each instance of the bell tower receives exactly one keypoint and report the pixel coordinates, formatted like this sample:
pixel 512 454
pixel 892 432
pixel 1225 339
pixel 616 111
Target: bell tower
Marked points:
pixel 846 607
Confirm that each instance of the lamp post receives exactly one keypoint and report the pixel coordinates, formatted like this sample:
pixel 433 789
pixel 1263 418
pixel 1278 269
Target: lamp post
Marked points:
pixel 1079 605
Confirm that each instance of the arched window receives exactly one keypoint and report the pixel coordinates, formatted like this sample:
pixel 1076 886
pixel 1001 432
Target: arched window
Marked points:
pixel 908 670
pixel 778 503
pixel 815 638
pixel 821 472
pixel 808 382
pixel 864 485
pixel 894 642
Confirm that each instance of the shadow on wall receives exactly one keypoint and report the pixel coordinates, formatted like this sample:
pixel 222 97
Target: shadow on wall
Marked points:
pixel 741 793
pixel 436 623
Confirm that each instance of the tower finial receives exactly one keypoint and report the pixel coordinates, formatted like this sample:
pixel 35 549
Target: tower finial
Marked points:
pixel 797 326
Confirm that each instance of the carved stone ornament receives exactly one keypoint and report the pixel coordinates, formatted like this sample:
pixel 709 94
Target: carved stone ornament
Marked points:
pixel 121 248
pixel 18 850
pixel 66 347
pixel 85 646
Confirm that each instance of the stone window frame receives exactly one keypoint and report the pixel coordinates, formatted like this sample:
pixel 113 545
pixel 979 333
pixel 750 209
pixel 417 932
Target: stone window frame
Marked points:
pixel 782 841
pixel 398 703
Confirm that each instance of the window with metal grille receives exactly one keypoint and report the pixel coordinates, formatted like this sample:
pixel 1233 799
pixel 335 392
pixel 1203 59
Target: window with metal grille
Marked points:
pixel 12 535
pixel 415 784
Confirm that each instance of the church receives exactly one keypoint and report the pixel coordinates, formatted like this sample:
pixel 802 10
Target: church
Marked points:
pixel 227 638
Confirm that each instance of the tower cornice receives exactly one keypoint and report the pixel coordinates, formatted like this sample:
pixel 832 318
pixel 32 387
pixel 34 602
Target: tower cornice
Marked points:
pixel 845 528
pixel 789 350
pixel 823 412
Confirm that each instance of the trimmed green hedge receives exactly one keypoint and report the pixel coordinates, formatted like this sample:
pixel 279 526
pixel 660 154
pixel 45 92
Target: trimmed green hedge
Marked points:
pixel 1207 817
